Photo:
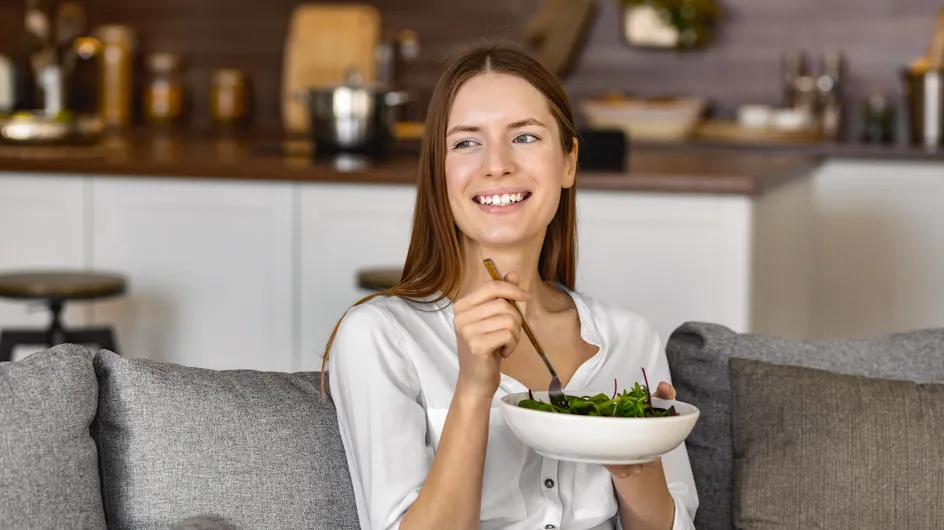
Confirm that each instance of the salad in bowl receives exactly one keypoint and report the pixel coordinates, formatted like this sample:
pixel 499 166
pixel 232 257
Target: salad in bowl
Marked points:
pixel 628 427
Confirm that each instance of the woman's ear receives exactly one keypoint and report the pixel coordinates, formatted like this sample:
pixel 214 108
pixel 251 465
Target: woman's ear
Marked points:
pixel 571 161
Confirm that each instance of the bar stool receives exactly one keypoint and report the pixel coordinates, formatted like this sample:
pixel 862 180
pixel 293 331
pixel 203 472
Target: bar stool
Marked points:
pixel 378 279
pixel 54 289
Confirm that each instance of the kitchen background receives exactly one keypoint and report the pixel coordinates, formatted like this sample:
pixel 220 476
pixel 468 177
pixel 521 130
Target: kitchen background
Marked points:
pixel 753 192
pixel 742 66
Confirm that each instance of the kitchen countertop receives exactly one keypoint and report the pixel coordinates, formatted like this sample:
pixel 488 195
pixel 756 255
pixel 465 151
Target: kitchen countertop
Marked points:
pixel 651 168
pixel 845 150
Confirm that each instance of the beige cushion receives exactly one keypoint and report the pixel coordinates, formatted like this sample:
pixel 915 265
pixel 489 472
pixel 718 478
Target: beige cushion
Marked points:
pixel 816 449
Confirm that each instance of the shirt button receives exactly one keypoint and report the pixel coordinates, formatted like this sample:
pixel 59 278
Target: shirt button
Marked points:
pixel 548 483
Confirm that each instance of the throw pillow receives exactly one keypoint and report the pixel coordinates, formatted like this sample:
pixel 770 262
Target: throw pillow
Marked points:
pixel 254 449
pixel 816 449
pixel 48 460
pixel 698 362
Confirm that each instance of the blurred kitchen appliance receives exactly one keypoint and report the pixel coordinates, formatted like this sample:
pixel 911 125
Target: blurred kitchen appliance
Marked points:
pixel 352 122
pixel 602 150
pixel 323 42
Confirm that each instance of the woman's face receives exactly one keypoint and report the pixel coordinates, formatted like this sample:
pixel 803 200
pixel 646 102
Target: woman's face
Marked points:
pixel 504 164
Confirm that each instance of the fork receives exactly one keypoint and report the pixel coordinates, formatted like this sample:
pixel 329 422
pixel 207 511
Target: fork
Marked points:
pixel 555 391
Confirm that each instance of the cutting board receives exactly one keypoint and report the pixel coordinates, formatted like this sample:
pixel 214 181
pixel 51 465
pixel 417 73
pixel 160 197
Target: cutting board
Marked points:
pixel 323 41
pixel 557 31
pixel 733 132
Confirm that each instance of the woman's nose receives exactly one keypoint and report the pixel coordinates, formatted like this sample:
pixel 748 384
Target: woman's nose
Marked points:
pixel 498 160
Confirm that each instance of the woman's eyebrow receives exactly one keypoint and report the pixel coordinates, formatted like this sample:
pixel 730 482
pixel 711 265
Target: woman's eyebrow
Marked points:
pixel 462 128
pixel 513 125
pixel 525 122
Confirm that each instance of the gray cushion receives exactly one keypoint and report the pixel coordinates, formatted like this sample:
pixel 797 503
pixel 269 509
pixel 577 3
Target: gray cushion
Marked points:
pixel 256 449
pixel 816 449
pixel 698 360
pixel 48 459
pixel 200 522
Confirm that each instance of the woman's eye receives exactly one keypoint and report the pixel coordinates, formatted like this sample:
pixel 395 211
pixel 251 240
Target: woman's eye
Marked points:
pixel 526 138
pixel 462 144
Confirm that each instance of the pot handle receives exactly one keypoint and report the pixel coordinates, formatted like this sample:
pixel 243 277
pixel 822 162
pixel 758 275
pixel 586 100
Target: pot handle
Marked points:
pixel 393 99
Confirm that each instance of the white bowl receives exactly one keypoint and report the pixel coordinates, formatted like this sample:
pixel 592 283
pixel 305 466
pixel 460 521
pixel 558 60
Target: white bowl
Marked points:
pixel 641 119
pixel 596 439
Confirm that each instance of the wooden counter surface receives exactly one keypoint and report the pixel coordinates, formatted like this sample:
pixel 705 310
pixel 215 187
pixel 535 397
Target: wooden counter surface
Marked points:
pixel 651 168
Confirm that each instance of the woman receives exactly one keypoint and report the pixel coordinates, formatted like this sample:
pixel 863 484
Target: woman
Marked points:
pixel 417 372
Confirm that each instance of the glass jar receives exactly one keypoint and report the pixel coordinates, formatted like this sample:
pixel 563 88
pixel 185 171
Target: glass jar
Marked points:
pixel 163 94
pixel 117 45
pixel 228 97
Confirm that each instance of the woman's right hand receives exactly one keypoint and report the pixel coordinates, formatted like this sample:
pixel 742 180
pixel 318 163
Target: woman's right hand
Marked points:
pixel 487 330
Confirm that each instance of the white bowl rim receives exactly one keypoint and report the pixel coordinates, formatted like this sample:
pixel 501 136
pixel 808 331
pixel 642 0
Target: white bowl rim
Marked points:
pixel 686 417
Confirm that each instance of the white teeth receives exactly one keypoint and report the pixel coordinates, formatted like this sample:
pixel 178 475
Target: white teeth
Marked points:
pixel 500 200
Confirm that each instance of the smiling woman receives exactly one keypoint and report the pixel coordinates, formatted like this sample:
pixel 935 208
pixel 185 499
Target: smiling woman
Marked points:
pixel 417 372
pixel 503 140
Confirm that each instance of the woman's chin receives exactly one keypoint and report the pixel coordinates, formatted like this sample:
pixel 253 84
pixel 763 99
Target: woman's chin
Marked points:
pixel 504 240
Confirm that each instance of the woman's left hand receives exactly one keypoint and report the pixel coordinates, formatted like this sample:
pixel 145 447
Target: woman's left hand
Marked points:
pixel 663 391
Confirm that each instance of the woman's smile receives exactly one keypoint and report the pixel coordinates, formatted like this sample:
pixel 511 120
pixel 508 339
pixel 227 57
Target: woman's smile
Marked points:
pixel 501 200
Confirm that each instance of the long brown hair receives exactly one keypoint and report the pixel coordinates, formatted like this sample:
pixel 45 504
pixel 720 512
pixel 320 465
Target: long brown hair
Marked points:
pixel 433 262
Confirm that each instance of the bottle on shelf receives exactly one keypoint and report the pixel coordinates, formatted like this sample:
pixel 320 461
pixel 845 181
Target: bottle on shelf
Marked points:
pixel 829 86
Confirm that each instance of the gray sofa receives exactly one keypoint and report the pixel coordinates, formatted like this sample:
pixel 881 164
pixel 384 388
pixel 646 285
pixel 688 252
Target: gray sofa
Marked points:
pixel 94 440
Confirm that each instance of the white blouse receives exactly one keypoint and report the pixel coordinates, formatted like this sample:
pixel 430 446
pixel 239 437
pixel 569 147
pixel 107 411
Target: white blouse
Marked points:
pixel 392 371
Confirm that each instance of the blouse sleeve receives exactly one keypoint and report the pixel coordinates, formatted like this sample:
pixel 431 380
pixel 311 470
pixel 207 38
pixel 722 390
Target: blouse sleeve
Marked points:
pixel 678 469
pixel 382 423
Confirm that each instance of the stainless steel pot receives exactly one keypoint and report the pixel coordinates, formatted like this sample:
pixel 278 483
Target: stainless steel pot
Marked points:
pixel 353 119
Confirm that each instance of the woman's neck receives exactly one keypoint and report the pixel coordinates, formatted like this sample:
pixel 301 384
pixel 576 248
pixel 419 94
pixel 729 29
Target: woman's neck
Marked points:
pixel 522 260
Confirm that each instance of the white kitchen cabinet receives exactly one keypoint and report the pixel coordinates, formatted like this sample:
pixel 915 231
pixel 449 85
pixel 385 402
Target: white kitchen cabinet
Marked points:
pixel 344 228
pixel 667 258
pixel 41 227
pixel 674 258
pixel 210 266
pixel 880 247
pixel 239 274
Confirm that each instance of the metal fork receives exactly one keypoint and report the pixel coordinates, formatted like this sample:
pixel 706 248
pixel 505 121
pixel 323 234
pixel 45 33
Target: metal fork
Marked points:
pixel 555 391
